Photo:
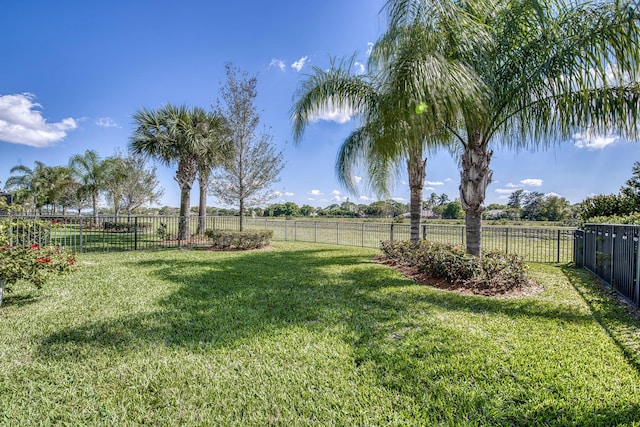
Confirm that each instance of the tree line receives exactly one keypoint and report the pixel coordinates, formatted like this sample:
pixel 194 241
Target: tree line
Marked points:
pixel 126 181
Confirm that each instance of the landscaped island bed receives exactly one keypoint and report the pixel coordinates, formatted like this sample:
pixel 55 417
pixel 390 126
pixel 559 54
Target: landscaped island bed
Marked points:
pixel 307 334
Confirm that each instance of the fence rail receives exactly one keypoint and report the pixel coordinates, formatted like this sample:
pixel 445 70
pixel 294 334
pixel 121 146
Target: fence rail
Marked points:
pixel 612 253
pixel 110 233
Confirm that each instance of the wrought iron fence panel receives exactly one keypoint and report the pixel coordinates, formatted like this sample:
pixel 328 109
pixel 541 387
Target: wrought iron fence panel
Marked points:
pixel 125 233
pixel 612 253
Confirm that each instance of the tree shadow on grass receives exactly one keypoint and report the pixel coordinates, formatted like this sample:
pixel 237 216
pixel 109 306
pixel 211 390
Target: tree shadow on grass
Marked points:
pixel 232 299
pixel 618 318
pixel 226 300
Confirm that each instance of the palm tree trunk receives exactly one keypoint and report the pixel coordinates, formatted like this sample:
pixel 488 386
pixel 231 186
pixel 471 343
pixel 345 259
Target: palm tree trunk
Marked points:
pixel 183 221
pixel 94 199
pixel 203 182
pixel 185 175
pixel 417 173
pixel 474 180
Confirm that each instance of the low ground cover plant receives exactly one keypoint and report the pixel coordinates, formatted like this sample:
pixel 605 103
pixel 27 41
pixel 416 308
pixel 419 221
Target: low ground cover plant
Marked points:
pixel 495 271
pixel 248 239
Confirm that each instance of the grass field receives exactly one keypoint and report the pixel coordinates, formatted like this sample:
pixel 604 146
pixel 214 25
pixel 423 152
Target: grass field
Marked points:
pixel 308 334
pixel 534 244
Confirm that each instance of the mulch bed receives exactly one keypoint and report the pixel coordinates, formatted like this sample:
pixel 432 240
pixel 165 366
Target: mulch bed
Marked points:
pixel 494 290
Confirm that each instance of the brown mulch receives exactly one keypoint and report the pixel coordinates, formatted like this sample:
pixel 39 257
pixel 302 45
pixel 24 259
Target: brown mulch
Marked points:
pixel 233 249
pixel 494 290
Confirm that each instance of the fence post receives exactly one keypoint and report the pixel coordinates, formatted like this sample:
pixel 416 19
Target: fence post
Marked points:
pixel 286 231
pixel 295 231
pixel 315 231
pixel 362 234
pixel 424 231
pixel 391 232
pixel 558 258
pixel 135 233
pixel 337 232
pixel 636 246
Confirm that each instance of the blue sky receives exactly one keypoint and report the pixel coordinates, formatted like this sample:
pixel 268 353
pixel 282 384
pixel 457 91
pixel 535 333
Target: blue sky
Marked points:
pixel 72 73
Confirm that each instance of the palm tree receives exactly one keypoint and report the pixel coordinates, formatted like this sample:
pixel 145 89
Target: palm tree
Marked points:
pixel 443 199
pixel 91 172
pixel 28 184
pixel 390 104
pixel 546 68
pixel 182 136
pixel 214 132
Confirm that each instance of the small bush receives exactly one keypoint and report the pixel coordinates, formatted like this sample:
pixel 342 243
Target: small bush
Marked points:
pixel 124 227
pixel 249 239
pixel 495 270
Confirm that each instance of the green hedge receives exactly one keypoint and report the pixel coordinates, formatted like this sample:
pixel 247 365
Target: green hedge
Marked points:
pixel 249 239
pixel 24 232
pixel 124 227
pixel 494 270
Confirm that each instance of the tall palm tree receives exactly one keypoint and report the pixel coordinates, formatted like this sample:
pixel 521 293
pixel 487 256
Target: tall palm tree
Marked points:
pixel 91 172
pixel 395 130
pixel 28 184
pixel 177 135
pixel 212 129
pixel 546 68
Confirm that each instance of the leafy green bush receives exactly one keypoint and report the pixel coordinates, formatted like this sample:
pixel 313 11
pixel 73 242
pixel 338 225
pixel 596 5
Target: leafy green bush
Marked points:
pixel 124 227
pixel 494 270
pixel 32 264
pixel 24 232
pixel 249 239
pixel 633 218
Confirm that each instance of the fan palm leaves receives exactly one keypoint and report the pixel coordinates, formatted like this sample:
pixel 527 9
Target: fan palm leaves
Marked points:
pixel 180 136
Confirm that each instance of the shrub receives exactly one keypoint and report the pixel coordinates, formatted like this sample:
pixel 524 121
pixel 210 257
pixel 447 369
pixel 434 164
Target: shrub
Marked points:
pixel 24 232
pixel 124 227
pixel 249 239
pixel 33 264
pixel 494 270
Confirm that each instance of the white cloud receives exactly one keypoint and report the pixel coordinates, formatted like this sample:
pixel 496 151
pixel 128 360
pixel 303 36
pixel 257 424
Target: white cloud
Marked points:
pixel 434 182
pixel 532 182
pixel 275 62
pixel 593 142
pixel 552 194
pixel 289 194
pixel 505 190
pixel 106 122
pixel 398 199
pixel 449 180
pixel 336 193
pixel 315 193
pixel 338 198
pixel 366 199
pixel 359 67
pixel 511 185
pixel 357 179
pixel 299 63
pixel 21 123
pixel 333 113
pixel 276 194
pixel 369 48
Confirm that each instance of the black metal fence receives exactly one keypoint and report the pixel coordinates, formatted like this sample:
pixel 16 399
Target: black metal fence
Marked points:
pixel 110 233
pixel 611 252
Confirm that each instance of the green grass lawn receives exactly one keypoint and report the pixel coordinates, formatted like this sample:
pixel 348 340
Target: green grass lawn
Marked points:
pixel 308 334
